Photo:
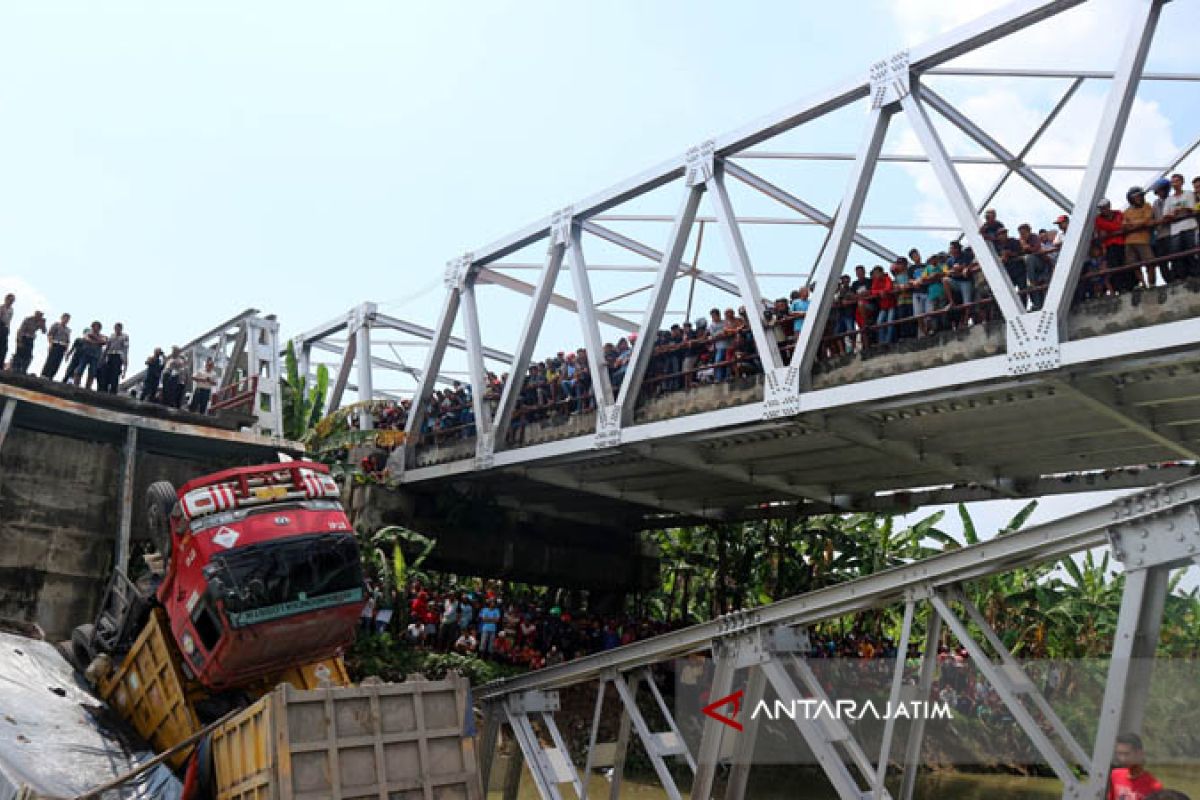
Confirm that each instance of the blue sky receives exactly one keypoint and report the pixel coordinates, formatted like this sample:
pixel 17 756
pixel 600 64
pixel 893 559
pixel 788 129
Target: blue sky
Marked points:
pixel 169 165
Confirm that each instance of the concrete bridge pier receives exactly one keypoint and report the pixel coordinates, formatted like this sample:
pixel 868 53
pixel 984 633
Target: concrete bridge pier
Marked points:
pixel 476 536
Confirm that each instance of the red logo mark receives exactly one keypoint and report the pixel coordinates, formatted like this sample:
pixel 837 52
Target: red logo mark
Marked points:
pixel 734 700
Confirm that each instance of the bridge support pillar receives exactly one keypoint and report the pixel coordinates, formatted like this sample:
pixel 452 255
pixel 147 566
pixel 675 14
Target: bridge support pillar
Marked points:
pixel 1149 547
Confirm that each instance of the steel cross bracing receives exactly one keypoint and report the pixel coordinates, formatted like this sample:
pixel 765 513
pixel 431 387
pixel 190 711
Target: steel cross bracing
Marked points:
pixel 1150 533
pixel 351 339
pixel 242 348
pixel 1038 349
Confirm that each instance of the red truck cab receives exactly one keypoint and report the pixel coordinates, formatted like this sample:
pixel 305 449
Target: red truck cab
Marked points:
pixel 264 572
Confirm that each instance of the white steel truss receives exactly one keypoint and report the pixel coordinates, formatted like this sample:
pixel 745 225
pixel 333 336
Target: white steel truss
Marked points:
pixel 1150 533
pixel 244 348
pixel 1037 342
pixel 350 338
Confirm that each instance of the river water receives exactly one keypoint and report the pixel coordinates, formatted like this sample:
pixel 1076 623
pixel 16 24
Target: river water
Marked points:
pixel 941 787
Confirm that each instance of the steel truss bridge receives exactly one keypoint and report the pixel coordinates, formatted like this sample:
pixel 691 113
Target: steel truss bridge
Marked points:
pixel 764 650
pixel 1016 408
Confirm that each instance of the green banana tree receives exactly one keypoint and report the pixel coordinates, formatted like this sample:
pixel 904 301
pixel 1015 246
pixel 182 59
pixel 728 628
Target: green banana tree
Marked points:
pixel 302 406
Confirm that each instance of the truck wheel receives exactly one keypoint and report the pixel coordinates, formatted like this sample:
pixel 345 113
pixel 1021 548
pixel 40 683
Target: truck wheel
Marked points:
pixel 81 645
pixel 160 500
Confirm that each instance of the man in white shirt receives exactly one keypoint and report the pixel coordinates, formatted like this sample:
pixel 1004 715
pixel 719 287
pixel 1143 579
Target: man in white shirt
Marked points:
pixel 114 360
pixel 1180 210
pixel 60 340
pixel 203 381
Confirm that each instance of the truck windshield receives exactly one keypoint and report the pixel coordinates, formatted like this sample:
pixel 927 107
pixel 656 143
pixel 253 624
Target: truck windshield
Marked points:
pixel 277 579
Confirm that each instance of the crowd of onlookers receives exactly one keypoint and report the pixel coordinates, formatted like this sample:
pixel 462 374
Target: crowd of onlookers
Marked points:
pixel 99 360
pixel 479 621
pixel 914 297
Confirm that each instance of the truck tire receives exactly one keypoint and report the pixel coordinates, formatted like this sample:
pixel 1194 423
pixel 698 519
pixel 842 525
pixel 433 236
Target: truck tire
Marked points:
pixel 81 645
pixel 160 501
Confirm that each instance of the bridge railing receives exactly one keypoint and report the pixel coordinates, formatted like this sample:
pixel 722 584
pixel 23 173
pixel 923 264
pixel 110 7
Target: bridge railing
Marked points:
pixel 1150 534
pixel 743 362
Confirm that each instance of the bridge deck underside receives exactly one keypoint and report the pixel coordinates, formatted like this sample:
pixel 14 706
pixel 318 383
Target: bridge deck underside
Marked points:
pixel 1010 438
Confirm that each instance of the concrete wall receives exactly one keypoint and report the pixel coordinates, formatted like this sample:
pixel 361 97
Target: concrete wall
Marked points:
pixel 58 522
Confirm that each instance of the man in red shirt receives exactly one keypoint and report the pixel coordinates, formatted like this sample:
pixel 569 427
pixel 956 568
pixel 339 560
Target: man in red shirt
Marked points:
pixel 1130 780
pixel 1110 230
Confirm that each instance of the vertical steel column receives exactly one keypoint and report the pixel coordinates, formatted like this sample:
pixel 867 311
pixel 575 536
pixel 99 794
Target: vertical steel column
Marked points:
pixel 889 727
pixel 841 236
pixel 764 345
pixel 710 740
pixel 624 729
pixel 303 351
pixel 268 353
pixel 470 311
pixel 527 341
pixel 602 686
pixel 366 391
pixel 660 295
pixel 1145 644
pixel 1128 685
pixel 1010 303
pixel 125 498
pixel 743 755
pixel 916 733
pixel 601 383
pixel 1113 121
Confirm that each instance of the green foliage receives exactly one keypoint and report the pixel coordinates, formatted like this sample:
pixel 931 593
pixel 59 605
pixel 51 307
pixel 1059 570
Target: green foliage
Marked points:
pixel 1064 609
pixel 302 406
pixel 383 656
pixel 384 557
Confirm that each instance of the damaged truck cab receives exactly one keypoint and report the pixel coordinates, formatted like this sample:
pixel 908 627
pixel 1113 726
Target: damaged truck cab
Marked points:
pixel 263 571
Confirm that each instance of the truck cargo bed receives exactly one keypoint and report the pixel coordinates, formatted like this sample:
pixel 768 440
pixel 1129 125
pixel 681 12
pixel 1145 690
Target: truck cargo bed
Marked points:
pixel 401 741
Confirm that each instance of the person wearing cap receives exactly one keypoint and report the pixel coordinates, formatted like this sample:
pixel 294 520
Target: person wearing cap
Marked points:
pixel 1139 222
pixel 1062 223
pixel 1110 230
pixel 1180 210
pixel 1160 240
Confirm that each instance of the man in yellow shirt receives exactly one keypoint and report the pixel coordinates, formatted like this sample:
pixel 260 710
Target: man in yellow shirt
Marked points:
pixel 1139 221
